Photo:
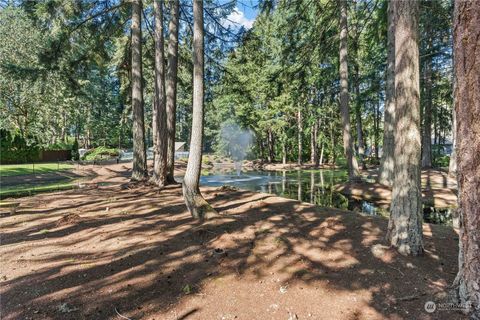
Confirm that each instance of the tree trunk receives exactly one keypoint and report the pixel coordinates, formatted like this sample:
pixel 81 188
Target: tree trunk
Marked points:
pixel 358 115
pixel 63 132
pixel 159 123
pixel 467 109
pixel 353 172
pixel 376 127
pixel 452 166
pixel 171 88
pixel 196 204
pixel 261 148
pixel 386 174
pixel 320 160
pixel 284 151
pixel 299 134
pixel 271 150
pixel 427 114
pixel 334 143
pixel 361 144
pixel 139 171
pixel 314 144
pixel 405 223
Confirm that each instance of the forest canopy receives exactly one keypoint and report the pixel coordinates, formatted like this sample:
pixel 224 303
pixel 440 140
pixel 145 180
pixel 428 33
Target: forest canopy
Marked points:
pixel 65 74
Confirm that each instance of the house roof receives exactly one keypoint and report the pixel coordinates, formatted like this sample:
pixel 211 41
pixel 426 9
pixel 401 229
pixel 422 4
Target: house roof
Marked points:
pixel 178 145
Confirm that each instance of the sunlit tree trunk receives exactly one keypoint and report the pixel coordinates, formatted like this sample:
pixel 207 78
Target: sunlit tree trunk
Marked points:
pixel 159 113
pixel 467 109
pixel 385 175
pixel 320 159
pixel 271 145
pixel 171 87
pixel 314 143
pixel 139 171
pixel 299 134
pixel 405 223
pixel 353 172
pixel 196 204
pixel 358 113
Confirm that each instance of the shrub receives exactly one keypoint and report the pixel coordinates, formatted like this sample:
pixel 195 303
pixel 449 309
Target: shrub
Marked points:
pixel 14 149
pixel 441 161
pixel 100 153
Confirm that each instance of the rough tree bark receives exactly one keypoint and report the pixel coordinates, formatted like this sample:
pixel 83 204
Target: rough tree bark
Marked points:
pixel 427 114
pixel 171 88
pixel 353 172
pixel 467 108
pixel 196 204
pixel 452 165
pixel 139 172
pixel 405 223
pixel 385 175
pixel 159 113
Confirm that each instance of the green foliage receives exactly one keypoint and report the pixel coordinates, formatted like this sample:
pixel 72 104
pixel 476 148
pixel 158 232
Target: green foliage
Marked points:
pixel 276 73
pixel 75 153
pixel 441 161
pixel 55 78
pixel 59 145
pixel 65 72
pixel 15 149
pixel 100 153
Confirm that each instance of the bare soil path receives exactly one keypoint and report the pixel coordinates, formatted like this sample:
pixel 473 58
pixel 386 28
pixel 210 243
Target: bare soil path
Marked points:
pixel 102 251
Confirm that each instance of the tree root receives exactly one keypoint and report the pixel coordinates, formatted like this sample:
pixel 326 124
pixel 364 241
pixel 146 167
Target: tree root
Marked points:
pixel 197 205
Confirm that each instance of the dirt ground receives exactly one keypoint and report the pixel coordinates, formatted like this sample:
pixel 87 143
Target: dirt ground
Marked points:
pixel 110 251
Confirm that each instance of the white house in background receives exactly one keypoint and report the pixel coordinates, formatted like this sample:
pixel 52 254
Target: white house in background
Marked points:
pixel 179 152
pixel 179 146
pixel 82 152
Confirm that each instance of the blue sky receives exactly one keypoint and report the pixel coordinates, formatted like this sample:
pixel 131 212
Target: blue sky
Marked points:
pixel 244 14
pixel 247 7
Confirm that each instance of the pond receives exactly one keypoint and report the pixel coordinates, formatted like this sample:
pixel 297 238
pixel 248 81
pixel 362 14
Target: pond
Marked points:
pixel 312 186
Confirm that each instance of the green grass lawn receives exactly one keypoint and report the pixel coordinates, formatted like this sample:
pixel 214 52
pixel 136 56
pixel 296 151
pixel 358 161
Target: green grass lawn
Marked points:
pixel 22 169
pixel 25 190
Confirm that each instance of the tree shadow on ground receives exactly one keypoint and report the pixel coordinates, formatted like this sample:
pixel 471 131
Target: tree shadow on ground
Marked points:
pixel 146 258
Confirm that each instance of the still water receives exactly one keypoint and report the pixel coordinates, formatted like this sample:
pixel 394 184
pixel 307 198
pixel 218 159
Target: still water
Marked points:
pixel 312 186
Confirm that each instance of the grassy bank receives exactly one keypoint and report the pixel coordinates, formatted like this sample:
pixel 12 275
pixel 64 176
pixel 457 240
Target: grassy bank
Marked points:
pixel 37 168
pixel 27 190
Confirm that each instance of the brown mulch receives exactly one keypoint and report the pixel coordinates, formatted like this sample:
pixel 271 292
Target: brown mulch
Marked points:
pixel 71 218
pixel 138 253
